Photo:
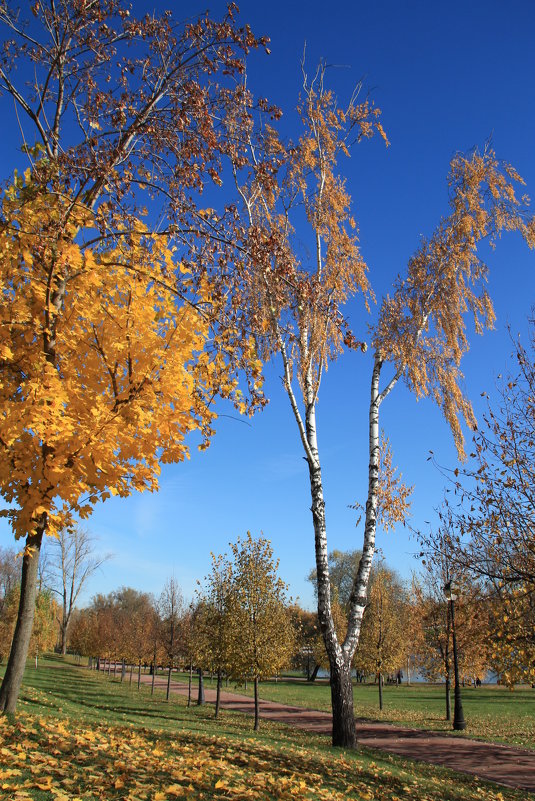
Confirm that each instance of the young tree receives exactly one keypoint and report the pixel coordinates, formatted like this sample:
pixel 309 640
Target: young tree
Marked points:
pixel 119 108
pixel 471 614
pixel 261 634
pixel 382 637
pixel 297 302
pixel 44 633
pixel 213 626
pixel 72 562
pixel 171 612
pixel 9 574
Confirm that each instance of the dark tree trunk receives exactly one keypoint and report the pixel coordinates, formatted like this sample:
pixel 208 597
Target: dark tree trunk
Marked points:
pixel 131 672
pixel 9 691
pixel 256 710
pixel 314 673
pixel 380 691
pixel 123 670
pixel 200 696
pixel 448 697
pixel 139 674
pixel 168 683
pixel 153 671
pixel 344 730
pixel 218 694
pixel 189 682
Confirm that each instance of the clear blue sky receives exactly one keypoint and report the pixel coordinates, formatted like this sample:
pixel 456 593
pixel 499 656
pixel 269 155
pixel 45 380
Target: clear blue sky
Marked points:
pixel 447 76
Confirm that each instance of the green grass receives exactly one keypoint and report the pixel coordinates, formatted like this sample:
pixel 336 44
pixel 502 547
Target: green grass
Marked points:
pixel 491 712
pixel 80 735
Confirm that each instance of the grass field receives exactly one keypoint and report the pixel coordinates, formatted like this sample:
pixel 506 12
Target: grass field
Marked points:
pixel 79 735
pixel 492 712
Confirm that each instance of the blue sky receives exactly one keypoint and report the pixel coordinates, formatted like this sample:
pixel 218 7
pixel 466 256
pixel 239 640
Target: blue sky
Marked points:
pixel 447 76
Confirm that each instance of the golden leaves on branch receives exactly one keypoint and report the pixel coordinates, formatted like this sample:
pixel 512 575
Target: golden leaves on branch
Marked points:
pixel 105 361
pixel 422 326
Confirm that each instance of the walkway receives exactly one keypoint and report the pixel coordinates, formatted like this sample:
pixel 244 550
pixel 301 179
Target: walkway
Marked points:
pixel 514 767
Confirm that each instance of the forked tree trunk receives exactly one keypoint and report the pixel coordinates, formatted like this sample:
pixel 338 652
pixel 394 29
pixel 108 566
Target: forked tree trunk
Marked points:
pixel 256 709
pixel 9 691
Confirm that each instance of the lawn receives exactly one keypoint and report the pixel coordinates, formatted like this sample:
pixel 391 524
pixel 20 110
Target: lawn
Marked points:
pixel 79 735
pixel 492 712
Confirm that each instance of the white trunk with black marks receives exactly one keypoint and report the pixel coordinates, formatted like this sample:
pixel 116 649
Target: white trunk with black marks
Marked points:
pixel 9 692
pixel 358 598
pixel 343 727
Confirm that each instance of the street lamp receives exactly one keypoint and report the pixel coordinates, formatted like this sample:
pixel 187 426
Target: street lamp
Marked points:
pixel 459 722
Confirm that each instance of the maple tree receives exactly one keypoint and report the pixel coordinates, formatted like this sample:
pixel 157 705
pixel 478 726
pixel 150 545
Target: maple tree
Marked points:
pixel 260 632
pixel 382 638
pixel 297 303
pixel 213 625
pixel 119 109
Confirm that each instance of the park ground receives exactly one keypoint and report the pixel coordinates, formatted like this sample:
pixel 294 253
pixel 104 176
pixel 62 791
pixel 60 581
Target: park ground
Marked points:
pixel 81 735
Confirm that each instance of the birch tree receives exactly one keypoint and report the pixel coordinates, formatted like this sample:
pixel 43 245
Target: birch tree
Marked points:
pixel 297 303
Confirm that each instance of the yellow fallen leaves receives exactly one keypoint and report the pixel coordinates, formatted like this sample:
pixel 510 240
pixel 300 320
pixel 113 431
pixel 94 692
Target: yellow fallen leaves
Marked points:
pixel 69 762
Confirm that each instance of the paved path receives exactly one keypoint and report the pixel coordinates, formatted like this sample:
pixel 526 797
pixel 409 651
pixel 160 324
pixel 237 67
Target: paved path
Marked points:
pixel 514 767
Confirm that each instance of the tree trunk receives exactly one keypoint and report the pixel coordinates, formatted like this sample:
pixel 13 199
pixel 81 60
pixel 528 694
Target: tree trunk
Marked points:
pixel 9 691
pixel 139 674
pixel 314 673
pixel 168 683
pixel 218 694
pixel 153 671
pixel 63 638
pixel 200 696
pixel 448 697
pixel 189 681
pixel 256 708
pixel 380 691
pixel 344 730
pixel 131 672
pixel 123 670
pixel 408 671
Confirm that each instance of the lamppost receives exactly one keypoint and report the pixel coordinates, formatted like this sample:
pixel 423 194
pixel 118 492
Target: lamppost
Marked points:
pixel 459 722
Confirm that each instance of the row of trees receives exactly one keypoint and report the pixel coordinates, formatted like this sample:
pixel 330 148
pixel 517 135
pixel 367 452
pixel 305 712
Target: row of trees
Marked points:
pixel 239 626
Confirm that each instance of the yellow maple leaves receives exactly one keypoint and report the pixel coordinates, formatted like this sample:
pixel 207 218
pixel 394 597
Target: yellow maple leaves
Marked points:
pixel 105 363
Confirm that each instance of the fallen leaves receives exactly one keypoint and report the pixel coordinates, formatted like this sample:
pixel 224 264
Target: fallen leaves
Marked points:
pixel 44 758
